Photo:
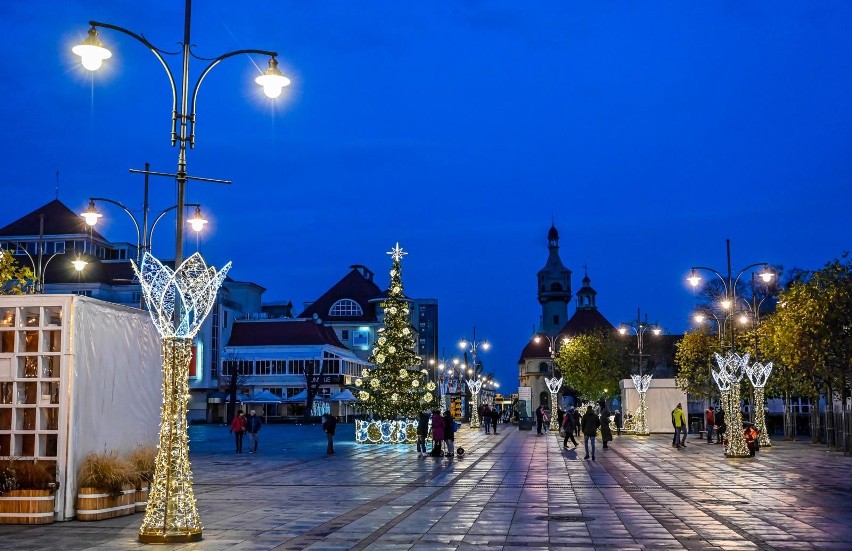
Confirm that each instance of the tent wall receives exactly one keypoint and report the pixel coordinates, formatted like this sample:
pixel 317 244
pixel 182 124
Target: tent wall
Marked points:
pixel 661 398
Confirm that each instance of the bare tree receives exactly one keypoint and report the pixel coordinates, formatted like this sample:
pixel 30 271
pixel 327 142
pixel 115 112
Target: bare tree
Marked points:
pixel 231 381
pixel 314 370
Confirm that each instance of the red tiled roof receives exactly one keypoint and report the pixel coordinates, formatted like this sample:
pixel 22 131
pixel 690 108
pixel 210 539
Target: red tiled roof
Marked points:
pixel 282 332
pixel 58 220
pixel 353 286
pixel 586 321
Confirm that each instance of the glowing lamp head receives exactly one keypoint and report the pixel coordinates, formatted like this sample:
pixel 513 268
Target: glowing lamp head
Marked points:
pixel 744 319
pixel 699 318
pixel 462 344
pixel 656 331
pixel 622 330
pixel 486 345
pixel 455 361
pixel 272 80
pixel 91 214
pixel 79 265
pixel 197 221
pixel 766 276
pixel 694 279
pixel 537 339
pixel 92 53
pixel 725 304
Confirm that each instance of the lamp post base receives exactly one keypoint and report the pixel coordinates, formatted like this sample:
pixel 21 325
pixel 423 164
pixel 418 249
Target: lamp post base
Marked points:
pixel 170 538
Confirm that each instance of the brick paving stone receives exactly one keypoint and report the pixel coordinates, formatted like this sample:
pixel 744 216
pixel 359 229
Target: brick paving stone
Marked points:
pixel 513 491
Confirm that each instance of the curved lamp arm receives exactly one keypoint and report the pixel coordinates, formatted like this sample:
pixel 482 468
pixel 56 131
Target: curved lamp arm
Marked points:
pixel 127 210
pixel 150 242
pixel 158 53
pixel 194 98
pixel 724 281
pixel 747 268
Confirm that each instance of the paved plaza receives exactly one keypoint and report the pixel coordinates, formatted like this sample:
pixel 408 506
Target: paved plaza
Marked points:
pixel 513 490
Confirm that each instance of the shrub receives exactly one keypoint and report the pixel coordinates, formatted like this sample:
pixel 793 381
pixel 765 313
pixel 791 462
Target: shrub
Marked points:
pixel 34 475
pixel 144 461
pixel 105 471
pixel 8 480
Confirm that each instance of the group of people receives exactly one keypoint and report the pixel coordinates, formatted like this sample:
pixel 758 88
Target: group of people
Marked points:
pixel 714 424
pixel 490 417
pixel 242 425
pixel 588 425
pixel 443 433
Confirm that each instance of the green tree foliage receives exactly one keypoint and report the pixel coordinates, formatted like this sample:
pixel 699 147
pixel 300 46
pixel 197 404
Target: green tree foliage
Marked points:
pixel 396 386
pixel 13 277
pixel 810 336
pixel 694 357
pixel 592 364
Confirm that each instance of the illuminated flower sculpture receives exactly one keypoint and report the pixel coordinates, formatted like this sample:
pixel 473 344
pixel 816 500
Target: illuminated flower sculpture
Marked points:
pixel 178 302
pixel 758 374
pixel 732 366
pixel 642 383
pixel 474 386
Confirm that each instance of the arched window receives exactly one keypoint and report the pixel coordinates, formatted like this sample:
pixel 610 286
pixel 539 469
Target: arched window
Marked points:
pixel 543 367
pixel 555 287
pixel 345 307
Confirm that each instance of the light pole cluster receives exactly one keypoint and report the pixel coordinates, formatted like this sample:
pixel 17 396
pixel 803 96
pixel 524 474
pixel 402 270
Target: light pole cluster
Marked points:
pixel 474 383
pixel 553 384
pixel 732 367
pixel 172 515
pixel 642 381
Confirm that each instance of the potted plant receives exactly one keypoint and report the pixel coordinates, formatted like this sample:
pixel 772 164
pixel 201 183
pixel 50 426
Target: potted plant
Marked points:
pixel 144 462
pixel 27 491
pixel 106 487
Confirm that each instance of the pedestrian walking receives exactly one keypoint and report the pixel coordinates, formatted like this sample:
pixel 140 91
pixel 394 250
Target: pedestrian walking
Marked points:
pixel 618 422
pixel 450 433
pixel 590 425
pixel 539 418
pixel 576 413
pixel 674 428
pixel 495 418
pixel 437 432
pixel 709 423
pixel 679 419
pixel 568 430
pixel 329 424
pixel 238 427
pixel 253 423
pixel 422 433
pixel 606 430
pixel 485 418
pixel 721 426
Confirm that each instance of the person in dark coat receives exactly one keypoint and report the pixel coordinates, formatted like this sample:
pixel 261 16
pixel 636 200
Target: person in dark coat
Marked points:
pixel 253 424
pixel 329 424
pixel 568 430
pixel 590 424
pixel 485 418
pixel 539 419
pixel 495 418
pixel 450 433
pixel 422 433
pixel 606 431
pixel 576 414
pixel 618 422
pixel 437 432
pixel 720 422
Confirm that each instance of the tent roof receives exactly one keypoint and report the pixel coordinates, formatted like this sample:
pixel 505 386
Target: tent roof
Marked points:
pixel 264 397
pixel 302 397
pixel 343 396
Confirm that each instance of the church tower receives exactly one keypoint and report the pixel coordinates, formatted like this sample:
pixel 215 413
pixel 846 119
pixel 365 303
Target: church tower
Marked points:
pixel 586 295
pixel 554 288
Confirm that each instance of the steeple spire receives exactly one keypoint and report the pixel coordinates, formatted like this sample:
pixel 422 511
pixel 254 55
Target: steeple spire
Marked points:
pixel 554 287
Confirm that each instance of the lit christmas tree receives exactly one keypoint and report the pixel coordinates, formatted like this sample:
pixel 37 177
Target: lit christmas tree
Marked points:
pixel 398 386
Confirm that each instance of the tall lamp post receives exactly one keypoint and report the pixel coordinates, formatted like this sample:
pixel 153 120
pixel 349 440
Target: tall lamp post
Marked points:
pixel 172 514
pixel 642 381
pixel 732 366
pixel 440 366
pixel 553 384
pixel 474 383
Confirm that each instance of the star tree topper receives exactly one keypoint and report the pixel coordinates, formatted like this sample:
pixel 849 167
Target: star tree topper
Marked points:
pixel 397 253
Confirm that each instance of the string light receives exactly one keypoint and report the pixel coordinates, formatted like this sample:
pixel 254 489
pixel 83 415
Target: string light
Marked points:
pixel 731 369
pixel 401 431
pixel 553 385
pixel 758 374
pixel 172 513
pixel 641 419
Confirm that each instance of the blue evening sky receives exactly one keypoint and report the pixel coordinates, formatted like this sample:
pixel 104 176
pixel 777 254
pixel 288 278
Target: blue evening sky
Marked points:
pixel 649 131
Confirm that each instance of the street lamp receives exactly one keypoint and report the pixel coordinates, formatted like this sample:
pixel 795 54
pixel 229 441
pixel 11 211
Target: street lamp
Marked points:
pixel 732 366
pixel 553 384
pixel 641 381
pixel 39 264
pixel 474 383
pixel 92 54
pixel 172 514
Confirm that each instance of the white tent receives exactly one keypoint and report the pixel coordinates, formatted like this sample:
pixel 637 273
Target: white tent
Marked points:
pixel 264 397
pixel 344 396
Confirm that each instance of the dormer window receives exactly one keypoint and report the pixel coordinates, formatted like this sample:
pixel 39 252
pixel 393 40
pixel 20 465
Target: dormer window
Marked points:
pixel 345 307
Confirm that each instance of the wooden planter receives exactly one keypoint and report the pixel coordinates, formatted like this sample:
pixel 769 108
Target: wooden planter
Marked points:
pixel 94 504
pixel 26 507
pixel 142 499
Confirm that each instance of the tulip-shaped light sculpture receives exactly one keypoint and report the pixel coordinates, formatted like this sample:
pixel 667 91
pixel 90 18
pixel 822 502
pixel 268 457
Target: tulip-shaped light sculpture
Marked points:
pixel 178 302
pixel 474 386
pixel 758 374
pixel 728 377
pixel 642 383
pixel 553 385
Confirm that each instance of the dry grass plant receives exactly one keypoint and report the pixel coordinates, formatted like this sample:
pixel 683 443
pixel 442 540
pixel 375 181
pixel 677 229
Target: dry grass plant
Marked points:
pixel 144 461
pixel 107 472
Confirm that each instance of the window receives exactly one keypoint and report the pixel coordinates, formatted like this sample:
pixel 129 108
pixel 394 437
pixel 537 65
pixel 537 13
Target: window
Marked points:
pixel 262 367
pixel 543 367
pixel 344 334
pixel 345 307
